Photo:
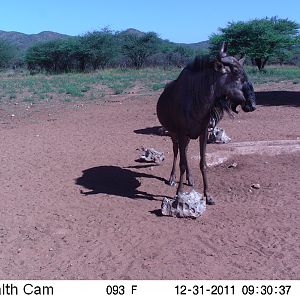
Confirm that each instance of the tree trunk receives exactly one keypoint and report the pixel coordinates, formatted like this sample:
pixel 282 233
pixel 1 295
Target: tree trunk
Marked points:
pixel 258 62
pixel 261 62
pixel 264 62
pixel 82 64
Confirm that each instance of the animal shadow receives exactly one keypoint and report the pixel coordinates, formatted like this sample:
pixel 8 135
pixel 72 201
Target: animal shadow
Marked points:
pixel 155 130
pixel 113 180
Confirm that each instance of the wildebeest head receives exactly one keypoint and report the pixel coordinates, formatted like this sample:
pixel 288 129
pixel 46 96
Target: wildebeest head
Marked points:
pixel 235 85
pixel 249 104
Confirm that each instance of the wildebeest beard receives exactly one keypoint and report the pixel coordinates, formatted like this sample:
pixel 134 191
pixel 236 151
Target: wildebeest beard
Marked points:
pixel 223 104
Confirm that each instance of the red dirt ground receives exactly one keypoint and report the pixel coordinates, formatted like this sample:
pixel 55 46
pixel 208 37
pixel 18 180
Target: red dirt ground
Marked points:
pixel 76 205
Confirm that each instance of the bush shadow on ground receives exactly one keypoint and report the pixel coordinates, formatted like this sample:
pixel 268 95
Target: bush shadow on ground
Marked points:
pixel 278 98
pixel 113 180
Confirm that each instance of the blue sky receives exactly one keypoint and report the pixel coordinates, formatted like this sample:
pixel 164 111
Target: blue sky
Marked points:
pixel 186 21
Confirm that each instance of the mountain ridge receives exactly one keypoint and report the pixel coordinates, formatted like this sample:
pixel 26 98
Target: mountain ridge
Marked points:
pixel 23 41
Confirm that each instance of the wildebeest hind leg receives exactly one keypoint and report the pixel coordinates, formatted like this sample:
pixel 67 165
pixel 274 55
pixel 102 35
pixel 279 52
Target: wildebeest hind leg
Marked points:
pixel 172 180
pixel 202 144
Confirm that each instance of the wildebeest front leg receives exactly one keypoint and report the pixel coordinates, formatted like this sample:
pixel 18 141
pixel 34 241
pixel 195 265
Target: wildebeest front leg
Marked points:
pixel 183 142
pixel 189 176
pixel 172 180
pixel 202 144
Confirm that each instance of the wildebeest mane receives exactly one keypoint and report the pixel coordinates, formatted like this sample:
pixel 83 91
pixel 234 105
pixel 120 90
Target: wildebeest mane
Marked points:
pixel 200 63
pixel 221 105
pixel 199 85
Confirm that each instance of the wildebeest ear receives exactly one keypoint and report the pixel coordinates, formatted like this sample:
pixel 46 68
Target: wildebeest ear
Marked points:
pixel 242 60
pixel 219 67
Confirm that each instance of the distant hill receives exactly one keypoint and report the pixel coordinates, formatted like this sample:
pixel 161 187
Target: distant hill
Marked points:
pixel 133 31
pixel 24 41
pixel 201 45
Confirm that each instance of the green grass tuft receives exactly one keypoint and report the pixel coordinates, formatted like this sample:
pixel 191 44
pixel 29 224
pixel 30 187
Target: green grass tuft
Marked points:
pixel 273 74
pixel 96 85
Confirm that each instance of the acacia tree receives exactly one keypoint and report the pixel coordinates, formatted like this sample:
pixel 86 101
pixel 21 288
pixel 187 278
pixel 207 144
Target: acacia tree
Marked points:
pixel 92 50
pixel 260 39
pixel 180 56
pixel 7 53
pixel 139 48
pixel 101 47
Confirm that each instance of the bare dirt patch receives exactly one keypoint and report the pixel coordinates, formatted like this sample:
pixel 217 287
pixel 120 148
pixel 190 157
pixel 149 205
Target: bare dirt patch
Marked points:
pixel 76 205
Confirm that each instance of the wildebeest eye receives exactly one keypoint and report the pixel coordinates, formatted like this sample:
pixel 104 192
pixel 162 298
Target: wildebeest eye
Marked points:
pixel 235 70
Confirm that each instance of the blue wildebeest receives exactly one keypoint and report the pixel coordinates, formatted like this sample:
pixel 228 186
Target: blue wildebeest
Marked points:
pixel 186 106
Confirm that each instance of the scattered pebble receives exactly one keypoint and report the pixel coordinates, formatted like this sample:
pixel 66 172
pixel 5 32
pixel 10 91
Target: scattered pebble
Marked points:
pixel 12 115
pixel 255 186
pixel 233 165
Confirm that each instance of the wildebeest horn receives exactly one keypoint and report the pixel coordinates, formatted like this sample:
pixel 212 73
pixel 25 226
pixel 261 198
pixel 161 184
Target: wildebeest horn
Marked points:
pixel 242 59
pixel 223 50
pixel 223 58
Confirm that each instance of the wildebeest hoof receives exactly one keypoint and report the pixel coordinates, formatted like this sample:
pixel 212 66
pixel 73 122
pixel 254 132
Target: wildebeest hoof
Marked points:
pixel 210 200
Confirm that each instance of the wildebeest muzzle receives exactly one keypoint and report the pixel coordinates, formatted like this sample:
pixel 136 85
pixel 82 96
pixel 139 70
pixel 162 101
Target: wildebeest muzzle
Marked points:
pixel 248 91
pixel 249 104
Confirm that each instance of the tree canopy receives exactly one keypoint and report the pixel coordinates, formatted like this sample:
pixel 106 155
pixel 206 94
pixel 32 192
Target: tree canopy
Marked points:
pixel 94 49
pixel 260 39
pixel 139 48
pixel 7 53
pixel 100 49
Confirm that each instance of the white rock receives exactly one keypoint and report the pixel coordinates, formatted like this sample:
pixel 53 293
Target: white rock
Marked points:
pixel 184 205
pixel 218 136
pixel 151 155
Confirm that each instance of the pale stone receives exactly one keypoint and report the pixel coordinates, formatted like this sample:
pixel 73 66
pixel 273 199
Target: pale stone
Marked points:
pixel 218 136
pixel 185 204
pixel 151 155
